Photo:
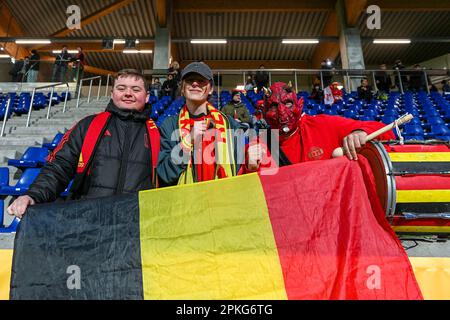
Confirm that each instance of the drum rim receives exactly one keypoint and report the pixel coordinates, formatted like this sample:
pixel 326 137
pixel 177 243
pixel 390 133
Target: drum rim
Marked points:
pixel 390 178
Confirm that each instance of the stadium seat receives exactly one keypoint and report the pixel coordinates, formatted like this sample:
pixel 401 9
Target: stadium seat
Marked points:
pixel 413 130
pixel 32 158
pixel 56 140
pixel 66 192
pixel 22 185
pixel 4 176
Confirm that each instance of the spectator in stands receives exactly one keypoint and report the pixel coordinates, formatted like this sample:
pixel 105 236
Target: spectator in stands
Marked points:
pixel 332 94
pixel 155 88
pixel 237 110
pixel 309 138
pixel 417 79
pixel 250 84
pixel 445 85
pixel 14 72
pixel 258 121
pixel 317 92
pixel 78 64
pixel 174 69
pixel 23 72
pixel 404 77
pixel 182 160
pixel 327 75
pixel 169 86
pixel 365 91
pixel 60 67
pixel 120 163
pixel 34 66
pixel 79 61
pixel 383 80
pixel 261 78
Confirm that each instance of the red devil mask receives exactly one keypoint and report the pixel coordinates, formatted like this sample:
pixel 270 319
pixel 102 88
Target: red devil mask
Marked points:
pixel 282 109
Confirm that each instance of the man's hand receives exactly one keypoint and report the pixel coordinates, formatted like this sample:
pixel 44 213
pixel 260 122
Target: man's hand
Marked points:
pixel 352 143
pixel 20 205
pixel 254 157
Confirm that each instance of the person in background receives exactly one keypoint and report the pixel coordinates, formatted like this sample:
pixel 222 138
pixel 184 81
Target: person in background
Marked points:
pixel 79 61
pixel 249 84
pixel 261 78
pixel 404 77
pixel 155 87
pixel 417 79
pixel 383 80
pixel 169 86
pixel 60 67
pixel 23 71
pixel 365 91
pixel 237 110
pixel 317 92
pixel 34 66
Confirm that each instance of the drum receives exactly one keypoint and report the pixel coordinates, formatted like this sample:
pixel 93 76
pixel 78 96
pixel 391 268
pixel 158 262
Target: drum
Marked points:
pixel 413 184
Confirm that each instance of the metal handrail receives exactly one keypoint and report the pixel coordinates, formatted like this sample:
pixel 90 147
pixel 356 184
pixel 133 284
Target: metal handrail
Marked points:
pixel 91 79
pixel 51 98
pixel 5 118
pixel 348 74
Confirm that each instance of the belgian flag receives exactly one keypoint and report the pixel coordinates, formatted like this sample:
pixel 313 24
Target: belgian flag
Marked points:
pixel 310 231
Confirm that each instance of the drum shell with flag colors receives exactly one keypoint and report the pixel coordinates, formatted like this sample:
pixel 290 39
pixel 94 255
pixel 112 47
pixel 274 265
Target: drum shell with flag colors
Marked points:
pixel 413 184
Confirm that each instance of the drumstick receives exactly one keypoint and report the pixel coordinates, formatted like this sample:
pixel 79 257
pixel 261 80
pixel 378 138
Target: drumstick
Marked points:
pixel 338 152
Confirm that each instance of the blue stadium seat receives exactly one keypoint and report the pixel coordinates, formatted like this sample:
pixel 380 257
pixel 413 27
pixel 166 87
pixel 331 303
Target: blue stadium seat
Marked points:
pixel 32 158
pixel 56 140
pixel 440 130
pixel 413 130
pixel 4 176
pixel 22 185
pixel 387 119
pixel 66 192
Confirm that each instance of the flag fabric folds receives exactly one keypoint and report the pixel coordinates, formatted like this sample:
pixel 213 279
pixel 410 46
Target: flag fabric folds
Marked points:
pixel 312 231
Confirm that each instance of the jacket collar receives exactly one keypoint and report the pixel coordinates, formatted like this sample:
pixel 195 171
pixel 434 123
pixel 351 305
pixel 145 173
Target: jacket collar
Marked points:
pixel 132 115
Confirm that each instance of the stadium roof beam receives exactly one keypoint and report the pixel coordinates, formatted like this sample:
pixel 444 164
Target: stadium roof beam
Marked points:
pixel 252 6
pixel 252 64
pixel 93 47
pixel 94 16
pixel 161 12
pixel 354 9
pixel 9 27
pixel 91 18
pixel 408 5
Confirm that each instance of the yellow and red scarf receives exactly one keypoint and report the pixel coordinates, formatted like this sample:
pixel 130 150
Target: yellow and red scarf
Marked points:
pixel 221 136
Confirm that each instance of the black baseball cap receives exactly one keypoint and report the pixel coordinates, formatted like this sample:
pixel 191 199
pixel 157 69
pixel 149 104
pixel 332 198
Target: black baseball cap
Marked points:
pixel 200 68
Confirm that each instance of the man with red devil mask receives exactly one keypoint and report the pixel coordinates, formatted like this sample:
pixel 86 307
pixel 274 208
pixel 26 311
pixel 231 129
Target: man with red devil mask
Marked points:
pixel 306 138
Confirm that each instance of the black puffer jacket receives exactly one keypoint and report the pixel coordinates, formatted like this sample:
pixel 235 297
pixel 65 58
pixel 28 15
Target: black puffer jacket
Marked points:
pixel 121 163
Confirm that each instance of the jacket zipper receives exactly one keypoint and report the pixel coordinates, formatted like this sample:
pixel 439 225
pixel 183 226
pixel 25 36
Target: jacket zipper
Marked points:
pixel 124 160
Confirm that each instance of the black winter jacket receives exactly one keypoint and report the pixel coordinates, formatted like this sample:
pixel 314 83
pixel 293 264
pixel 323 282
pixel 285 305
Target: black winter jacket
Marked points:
pixel 121 163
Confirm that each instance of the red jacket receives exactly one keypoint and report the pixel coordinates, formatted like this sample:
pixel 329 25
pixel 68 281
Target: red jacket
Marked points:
pixel 318 136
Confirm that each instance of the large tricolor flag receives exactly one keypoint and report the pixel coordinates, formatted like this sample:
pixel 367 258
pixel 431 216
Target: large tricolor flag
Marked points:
pixel 312 231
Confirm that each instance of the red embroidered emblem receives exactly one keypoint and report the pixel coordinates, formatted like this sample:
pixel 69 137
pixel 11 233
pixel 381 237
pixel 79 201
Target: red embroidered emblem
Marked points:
pixel 107 133
pixel 316 153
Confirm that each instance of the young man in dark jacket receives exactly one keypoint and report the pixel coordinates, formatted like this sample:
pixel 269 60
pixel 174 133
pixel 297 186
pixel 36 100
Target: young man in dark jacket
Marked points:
pixel 200 143
pixel 120 163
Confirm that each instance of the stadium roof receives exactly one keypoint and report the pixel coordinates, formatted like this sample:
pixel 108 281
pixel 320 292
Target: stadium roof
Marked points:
pixel 254 29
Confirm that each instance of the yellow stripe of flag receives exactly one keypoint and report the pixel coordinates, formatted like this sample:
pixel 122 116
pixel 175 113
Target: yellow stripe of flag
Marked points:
pixel 188 253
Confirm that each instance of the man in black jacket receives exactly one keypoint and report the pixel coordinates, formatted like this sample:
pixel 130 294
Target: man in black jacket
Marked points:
pixel 121 161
